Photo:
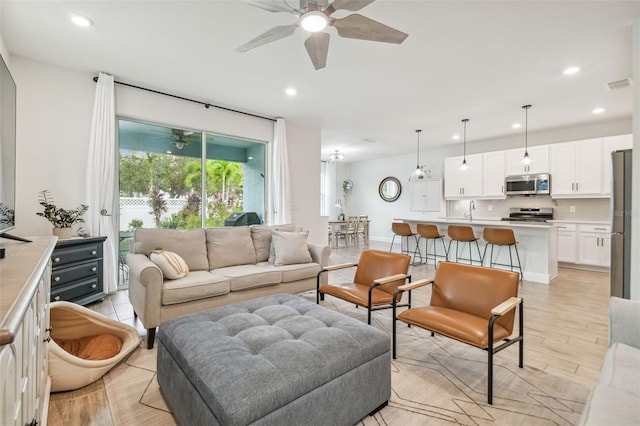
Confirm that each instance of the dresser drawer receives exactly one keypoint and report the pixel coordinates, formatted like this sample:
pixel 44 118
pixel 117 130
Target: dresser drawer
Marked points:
pixel 76 290
pixel 61 276
pixel 63 256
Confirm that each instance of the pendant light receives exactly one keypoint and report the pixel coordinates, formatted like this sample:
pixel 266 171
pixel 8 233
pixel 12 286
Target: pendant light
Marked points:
pixel 525 159
pixel 464 165
pixel 418 173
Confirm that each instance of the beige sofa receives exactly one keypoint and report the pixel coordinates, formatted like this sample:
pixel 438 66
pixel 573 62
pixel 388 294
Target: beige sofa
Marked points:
pixel 226 265
pixel 615 400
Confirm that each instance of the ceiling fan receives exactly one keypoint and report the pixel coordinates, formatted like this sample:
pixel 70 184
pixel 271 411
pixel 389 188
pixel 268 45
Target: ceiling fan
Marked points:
pixel 181 138
pixel 314 16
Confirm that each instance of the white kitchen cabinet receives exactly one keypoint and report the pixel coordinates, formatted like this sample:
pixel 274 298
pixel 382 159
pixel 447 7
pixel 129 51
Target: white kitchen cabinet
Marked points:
pixel 493 174
pixel 594 245
pixel 459 183
pixel 539 156
pixel 567 243
pixel 610 144
pixel 576 169
pixel 426 195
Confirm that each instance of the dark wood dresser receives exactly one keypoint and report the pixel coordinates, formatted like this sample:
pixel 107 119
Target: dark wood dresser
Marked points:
pixel 76 274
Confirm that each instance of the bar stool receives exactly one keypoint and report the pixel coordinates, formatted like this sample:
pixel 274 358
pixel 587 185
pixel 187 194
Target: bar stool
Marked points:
pixel 501 237
pixel 463 234
pixel 403 230
pixel 431 232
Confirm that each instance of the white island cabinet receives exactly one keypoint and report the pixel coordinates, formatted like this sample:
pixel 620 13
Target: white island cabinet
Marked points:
pixel 24 332
pixel 537 244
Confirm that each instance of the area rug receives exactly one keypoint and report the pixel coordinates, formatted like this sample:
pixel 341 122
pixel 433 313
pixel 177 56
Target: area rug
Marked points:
pixel 435 381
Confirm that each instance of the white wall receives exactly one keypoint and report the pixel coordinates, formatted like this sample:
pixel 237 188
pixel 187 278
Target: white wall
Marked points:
pixel 303 144
pixel 55 107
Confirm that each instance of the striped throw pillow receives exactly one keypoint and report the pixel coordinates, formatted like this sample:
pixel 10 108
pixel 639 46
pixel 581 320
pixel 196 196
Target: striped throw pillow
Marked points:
pixel 172 265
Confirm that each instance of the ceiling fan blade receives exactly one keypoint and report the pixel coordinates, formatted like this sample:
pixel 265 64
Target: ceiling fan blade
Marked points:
pixel 317 46
pixel 362 28
pixel 275 33
pixel 351 5
pixel 275 6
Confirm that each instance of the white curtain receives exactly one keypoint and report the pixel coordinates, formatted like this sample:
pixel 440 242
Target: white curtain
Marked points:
pixel 279 188
pixel 101 178
pixel 329 184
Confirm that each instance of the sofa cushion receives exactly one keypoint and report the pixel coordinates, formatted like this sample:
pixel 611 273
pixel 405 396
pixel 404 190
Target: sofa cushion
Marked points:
pixel 621 368
pixel 296 272
pixel 196 285
pixel 229 246
pixel 171 264
pixel 261 236
pixel 190 245
pixel 290 247
pixel 244 277
pixel 610 406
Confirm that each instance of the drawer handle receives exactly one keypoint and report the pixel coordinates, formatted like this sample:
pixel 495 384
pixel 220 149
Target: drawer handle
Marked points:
pixel 93 252
pixel 57 259
pixel 56 298
pixel 94 285
pixel 56 279
pixel 600 229
pixel 94 269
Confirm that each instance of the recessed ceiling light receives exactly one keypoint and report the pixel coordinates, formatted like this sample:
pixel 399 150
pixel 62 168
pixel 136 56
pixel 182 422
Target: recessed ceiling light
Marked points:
pixel 516 125
pixel 598 110
pixel 290 91
pixel 455 137
pixel 571 70
pixel 81 21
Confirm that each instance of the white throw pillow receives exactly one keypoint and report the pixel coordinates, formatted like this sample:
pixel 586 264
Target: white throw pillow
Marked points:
pixel 290 247
pixel 171 265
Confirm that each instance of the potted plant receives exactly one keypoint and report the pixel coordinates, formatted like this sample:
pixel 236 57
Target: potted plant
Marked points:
pixel 61 219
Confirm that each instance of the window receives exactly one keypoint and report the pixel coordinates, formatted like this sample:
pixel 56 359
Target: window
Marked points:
pixel 162 183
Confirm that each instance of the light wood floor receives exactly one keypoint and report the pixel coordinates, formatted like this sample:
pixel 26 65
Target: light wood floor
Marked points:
pixel 566 334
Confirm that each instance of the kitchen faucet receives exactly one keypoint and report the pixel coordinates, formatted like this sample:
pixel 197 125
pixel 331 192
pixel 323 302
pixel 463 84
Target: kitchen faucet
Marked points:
pixel 472 207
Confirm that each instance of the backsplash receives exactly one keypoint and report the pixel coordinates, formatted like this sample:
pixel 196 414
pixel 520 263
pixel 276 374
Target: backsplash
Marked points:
pixel 578 209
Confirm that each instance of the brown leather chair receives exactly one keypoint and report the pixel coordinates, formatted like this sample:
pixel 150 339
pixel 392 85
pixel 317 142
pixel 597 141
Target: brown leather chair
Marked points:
pixel 430 232
pixel 471 304
pixel 501 237
pixel 403 230
pixel 463 234
pixel 378 275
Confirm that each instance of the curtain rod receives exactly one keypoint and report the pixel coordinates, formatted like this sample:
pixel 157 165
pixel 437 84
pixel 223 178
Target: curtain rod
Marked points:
pixel 206 105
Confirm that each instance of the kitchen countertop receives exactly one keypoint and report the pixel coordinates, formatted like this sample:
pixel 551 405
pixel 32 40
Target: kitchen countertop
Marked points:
pixel 480 222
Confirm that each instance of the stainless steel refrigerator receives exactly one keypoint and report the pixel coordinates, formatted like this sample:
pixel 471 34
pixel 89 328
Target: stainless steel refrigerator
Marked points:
pixel 621 223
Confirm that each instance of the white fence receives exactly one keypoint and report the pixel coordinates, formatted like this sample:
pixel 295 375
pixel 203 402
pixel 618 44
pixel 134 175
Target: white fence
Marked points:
pixel 139 208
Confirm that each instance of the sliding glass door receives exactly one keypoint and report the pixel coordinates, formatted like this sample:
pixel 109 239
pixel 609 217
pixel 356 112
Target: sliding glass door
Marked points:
pixel 184 179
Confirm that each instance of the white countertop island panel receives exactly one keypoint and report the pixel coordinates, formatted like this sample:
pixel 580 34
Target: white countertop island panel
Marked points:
pixel 537 244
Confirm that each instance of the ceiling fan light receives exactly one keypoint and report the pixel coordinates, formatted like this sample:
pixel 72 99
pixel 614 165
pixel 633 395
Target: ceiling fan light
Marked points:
pixel 336 156
pixel 314 21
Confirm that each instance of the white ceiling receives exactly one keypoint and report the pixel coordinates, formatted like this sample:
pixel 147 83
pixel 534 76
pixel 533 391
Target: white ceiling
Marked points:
pixel 478 60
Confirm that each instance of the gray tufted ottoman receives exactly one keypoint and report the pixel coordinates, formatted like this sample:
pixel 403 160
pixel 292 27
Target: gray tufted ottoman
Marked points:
pixel 277 360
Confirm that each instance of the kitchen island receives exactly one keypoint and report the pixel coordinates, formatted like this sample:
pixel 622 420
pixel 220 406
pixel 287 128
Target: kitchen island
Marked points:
pixel 537 244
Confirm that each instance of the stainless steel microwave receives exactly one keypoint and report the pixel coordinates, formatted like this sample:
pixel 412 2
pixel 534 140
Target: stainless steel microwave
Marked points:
pixel 535 184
